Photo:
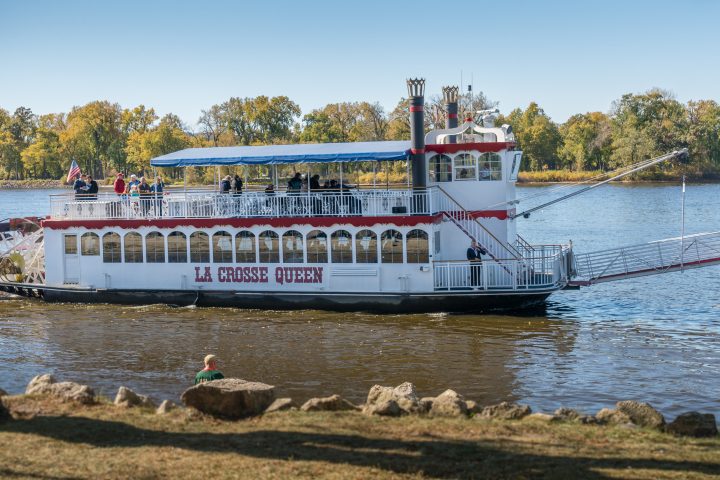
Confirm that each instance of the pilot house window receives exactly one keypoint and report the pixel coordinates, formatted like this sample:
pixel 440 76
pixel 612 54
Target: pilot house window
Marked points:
pixel 440 168
pixel 465 165
pixel 490 167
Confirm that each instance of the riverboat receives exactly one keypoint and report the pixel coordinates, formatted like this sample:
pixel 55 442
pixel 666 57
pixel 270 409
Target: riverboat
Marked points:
pixel 369 248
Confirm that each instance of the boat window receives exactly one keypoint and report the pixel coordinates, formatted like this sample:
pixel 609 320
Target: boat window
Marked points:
pixel 292 243
pixel 440 168
pixel 517 158
pixel 133 248
pixel 245 247
pixel 269 250
pixel 391 246
pixel 366 247
pixel 111 248
pixel 490 166
pixel 200 247
pixel 417 247
pixel 155 247
pixel 341 247
pixel 317 247
pixel 465 165
pixel 70 244
pixel 222 247
pixel 90 244
pixel 177 247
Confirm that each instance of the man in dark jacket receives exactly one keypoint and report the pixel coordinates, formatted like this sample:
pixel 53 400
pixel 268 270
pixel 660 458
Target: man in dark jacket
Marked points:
pixel 79 186
pixel 474 255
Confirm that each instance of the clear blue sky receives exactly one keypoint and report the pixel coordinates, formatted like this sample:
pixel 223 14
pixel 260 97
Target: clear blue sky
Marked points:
pixel 182 57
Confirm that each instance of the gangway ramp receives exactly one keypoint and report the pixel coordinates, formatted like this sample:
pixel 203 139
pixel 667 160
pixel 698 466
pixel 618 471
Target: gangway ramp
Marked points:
pixel 661 256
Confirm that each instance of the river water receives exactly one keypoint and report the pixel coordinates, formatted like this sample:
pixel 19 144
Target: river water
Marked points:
pixel 655 339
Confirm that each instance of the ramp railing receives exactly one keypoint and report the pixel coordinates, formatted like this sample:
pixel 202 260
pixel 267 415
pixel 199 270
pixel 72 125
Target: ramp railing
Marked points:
pixel 662 256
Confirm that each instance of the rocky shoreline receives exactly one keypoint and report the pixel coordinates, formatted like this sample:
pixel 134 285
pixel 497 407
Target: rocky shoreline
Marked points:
pixel 233 399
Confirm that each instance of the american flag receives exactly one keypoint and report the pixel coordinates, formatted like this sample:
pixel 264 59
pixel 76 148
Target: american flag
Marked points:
pixel 74 171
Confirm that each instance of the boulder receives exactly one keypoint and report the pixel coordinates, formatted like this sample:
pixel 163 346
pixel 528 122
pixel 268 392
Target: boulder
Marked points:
pixel 542 417
pixel 127 398
pixel 609 416
pixel 567 414
pixel 392 401
pixel 4 412
pixel 506 411
pixel 165 407
pixel 448 404
pixel 332 403
pixel 472 407
pixel 65 391
pixel 387 408
pixel 425 404
pixel 281 404
pixel 641 414
pixel 693 424
pixel 229 397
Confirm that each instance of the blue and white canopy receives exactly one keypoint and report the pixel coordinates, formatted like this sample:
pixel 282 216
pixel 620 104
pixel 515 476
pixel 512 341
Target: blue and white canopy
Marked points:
pixel 280 154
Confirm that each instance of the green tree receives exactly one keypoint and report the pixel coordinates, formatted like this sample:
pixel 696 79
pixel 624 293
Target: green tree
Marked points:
pixel 537 136
pixel 586 142
pixel 703 135
pixel 94 137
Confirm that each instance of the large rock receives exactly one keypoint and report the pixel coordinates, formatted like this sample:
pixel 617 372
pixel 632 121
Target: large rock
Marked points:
pixel 693 424
pixel 448 404
pixel 127 398
pixel 281 404
pixel 332 403
pixel 642 414
pixel 392 401
pixel 567 414
pixel 505 411
pixel 165 407
pixel 425 404
pixel 65 391
pixel 609 416
pixel 229 397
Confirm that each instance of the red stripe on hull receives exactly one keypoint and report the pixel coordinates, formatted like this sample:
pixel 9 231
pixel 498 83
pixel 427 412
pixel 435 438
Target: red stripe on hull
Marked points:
pixel 480 147
pixel 283 222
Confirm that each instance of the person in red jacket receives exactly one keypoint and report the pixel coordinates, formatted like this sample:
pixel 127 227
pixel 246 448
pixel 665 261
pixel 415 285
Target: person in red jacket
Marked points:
pixel 119 185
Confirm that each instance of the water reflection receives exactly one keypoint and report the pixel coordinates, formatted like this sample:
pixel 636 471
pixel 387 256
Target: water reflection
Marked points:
pixel 157 349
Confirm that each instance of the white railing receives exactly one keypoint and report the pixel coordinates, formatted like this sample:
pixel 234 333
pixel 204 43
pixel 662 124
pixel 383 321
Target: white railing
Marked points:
pixel 211 204
pixel 539 273
pixel 651 258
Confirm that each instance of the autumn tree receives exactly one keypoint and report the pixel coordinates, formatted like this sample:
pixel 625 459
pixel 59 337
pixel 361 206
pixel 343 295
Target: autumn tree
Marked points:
pixel 586 142
pixel 537 136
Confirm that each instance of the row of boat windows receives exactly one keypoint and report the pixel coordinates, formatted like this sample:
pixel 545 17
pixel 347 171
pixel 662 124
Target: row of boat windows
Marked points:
pixel 245 247
pixel 465 166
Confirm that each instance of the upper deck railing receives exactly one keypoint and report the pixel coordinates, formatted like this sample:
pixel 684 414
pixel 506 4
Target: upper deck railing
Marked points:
pixel 212 204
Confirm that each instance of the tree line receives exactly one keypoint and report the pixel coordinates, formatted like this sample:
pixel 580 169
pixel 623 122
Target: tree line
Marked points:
pixel 105 138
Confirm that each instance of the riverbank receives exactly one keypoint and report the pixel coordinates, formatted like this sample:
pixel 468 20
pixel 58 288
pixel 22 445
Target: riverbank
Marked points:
pixel 51 439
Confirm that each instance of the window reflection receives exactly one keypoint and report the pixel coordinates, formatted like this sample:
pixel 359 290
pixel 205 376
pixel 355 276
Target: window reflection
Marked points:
pixel 366 247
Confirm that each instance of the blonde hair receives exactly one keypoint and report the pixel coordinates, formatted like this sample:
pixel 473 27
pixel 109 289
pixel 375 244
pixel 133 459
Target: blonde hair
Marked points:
pixel 209 359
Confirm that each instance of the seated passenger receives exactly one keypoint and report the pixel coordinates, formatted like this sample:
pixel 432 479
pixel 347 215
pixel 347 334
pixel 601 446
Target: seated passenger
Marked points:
pixel 485 172
pixel 295 183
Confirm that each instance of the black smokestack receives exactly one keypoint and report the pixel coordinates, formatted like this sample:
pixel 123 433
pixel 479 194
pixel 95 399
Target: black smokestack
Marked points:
pixel 450 96
pixel 416 92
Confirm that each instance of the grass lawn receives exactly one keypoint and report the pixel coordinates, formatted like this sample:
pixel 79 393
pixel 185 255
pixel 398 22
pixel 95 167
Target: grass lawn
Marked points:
pixel 49 440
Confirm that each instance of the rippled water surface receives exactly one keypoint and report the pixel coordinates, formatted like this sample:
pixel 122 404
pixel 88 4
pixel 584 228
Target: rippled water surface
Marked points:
pixel 656 338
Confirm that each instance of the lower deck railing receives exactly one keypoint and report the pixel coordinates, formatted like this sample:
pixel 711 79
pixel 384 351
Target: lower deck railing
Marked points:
pixel 538 273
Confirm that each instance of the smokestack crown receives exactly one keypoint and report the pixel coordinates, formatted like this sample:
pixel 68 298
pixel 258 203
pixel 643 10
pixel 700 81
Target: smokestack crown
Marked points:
pixel 416 87
pixel 450 94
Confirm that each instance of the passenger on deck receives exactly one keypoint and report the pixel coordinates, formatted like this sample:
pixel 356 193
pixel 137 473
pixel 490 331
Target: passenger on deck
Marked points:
pixel 210 372
pixel 133 181
pixel 237 185
pixel 157 189
pixel 144 190
pixel 119 184
pixel 92 188
pixel 226 184
pixel 295 183
pixel 315 183
pixel 79 186
pixel 474 255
